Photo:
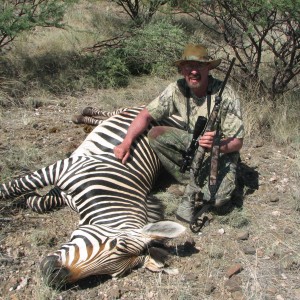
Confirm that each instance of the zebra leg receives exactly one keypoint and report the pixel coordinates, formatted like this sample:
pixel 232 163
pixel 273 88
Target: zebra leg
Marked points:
pixel 80 119
pixel 53 199
pixel 89 113
pixel 47 176
pixel 95 112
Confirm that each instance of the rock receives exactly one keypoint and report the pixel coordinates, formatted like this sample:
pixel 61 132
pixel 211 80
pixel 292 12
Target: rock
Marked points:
pixel 258 143
pixel 150 295
pixel 272 290
pixel 221 231
pixel 249 250
pixel 275 199
pixel 171 271
pixel 209 288
pixel 235 269
pixel 260 252
pixel 273 179
pixel 233 284
pixel 243 235
pixel 238 295
pixel 276 213
pixel 288 230
pixel 190 277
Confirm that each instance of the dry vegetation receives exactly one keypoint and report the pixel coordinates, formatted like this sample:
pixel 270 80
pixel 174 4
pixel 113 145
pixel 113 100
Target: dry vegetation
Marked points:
pixel 259 235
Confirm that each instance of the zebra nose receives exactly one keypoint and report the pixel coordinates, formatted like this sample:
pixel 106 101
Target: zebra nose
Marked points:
pixel 53 273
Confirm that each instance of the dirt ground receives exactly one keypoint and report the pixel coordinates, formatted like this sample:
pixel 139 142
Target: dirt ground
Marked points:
pixel 249 251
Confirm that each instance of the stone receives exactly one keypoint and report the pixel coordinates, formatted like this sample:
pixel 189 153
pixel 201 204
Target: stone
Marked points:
pixel 238 295
pixel 232 285
pixel 249 250
pixel 274 200
pixel 209 288
pixel 243 235
pixel 288 230
pixel 235 269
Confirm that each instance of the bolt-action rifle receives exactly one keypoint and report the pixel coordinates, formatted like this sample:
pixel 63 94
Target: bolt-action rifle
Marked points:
pixel 200 153
pixel 197 160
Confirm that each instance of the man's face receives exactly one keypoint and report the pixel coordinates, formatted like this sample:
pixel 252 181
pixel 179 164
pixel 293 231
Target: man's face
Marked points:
pixel 195 73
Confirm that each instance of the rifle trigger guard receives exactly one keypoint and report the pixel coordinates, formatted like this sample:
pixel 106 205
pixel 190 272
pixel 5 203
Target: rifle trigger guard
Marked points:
pixel 198 221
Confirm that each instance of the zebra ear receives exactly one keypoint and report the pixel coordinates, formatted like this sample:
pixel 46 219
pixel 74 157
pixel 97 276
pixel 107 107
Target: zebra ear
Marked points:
pixel 163 230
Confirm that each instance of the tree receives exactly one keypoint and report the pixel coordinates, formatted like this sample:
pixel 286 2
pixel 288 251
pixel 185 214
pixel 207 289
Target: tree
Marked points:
pixel 140 11
pixel 263 35
pixel 17 16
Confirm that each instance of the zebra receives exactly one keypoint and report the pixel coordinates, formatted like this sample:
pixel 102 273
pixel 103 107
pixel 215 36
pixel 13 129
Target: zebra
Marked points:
pixel 118 222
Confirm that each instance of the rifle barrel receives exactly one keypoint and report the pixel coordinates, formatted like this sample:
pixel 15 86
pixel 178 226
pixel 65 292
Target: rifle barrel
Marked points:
pixel 227 76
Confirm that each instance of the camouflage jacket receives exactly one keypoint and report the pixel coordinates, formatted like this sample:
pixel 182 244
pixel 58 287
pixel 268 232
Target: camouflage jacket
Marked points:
pixel 176 99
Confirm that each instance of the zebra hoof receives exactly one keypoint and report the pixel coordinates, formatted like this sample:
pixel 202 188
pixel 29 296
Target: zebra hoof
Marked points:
pixel 88 111
pixel 78 119
pixel 53 273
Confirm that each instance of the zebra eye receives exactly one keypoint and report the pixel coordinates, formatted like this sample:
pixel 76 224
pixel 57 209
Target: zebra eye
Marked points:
pixel 112 244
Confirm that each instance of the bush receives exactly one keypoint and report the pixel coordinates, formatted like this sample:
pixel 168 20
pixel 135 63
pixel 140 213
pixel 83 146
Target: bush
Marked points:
pixel 110 70
pixel 148 50
pixel 153 49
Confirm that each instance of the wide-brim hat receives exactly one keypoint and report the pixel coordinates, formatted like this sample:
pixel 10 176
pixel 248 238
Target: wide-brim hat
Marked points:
pixel 197 53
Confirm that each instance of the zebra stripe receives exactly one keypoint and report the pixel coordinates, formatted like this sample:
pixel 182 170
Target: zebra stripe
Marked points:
pixel 111 199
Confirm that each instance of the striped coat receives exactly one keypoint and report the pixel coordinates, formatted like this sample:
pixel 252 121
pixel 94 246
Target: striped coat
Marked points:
pixel 117 219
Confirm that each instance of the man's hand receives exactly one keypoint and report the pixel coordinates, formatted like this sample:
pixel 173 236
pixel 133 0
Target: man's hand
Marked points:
pixel 206 141
pixel 137 127
pixel 122 153
pixel 227 145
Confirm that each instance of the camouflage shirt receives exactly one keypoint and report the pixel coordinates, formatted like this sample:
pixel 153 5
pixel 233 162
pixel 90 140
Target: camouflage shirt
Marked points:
pixel 175 99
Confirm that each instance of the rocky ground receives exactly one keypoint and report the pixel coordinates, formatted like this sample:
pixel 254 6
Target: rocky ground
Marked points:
pixel 249 251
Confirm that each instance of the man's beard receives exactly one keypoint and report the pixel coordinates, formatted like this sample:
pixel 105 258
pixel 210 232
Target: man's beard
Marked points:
pixel 194 84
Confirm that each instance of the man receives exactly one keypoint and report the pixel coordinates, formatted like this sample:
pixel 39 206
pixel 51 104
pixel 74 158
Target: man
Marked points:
pixel 190 97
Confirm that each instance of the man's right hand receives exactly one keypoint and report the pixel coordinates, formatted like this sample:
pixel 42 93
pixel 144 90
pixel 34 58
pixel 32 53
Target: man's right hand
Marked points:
pixel 122 153
pixel 137 127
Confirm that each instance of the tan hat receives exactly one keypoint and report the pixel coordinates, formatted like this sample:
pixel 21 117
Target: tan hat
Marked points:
pixel 197 53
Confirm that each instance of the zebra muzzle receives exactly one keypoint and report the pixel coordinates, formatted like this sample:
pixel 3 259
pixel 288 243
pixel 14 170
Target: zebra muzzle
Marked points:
pixel 53 273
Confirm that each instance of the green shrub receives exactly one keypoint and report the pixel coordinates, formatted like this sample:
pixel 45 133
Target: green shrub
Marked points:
pixel 153 49
pixel 110 70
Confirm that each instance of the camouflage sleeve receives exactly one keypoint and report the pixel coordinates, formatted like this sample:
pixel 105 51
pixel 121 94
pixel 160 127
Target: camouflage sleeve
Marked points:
pixel 163 105
pixel 231 116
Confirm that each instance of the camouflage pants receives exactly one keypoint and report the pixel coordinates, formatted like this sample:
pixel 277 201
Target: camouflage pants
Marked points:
pixel 170 143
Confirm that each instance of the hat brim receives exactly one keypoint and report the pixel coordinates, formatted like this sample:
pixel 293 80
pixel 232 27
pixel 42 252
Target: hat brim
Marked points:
pixel 212 63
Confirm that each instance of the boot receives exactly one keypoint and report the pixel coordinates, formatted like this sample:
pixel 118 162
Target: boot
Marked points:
pixel 185 210
pixel 186 207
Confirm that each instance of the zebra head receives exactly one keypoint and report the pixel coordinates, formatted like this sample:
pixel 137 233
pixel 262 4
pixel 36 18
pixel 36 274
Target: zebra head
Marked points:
pixel 99 250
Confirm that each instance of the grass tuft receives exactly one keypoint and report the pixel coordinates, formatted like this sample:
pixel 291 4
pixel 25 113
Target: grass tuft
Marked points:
pixel 236 219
